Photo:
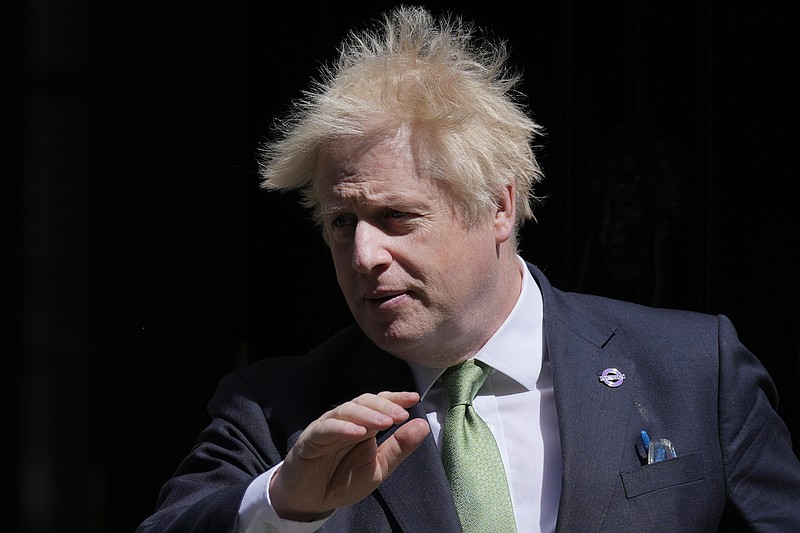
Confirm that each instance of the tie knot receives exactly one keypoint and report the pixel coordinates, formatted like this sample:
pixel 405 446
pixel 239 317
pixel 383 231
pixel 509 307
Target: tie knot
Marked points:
pixel 463 381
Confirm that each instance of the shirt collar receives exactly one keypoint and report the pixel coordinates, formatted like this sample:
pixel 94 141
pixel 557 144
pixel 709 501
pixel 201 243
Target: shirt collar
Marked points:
pixel 515 349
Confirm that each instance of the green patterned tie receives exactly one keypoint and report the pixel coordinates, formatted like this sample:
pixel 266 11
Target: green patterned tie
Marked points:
pixel 471 458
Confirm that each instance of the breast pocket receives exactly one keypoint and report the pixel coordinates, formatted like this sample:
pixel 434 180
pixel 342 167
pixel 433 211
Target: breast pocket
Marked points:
pixel 678 471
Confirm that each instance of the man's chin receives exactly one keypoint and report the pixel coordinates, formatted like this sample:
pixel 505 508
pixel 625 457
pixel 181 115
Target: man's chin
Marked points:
pixel 393 338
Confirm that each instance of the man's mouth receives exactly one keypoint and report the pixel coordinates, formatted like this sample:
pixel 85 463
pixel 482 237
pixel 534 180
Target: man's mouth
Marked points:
pixel 387 299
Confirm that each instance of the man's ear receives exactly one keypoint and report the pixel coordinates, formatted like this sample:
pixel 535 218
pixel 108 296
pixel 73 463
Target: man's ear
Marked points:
pixel 505 217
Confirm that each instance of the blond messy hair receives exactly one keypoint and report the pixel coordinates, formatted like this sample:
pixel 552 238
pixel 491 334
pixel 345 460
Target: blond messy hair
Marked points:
pixel 454 93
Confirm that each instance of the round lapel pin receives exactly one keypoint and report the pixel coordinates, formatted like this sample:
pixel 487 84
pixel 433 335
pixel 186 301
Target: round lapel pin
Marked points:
pixel 612 377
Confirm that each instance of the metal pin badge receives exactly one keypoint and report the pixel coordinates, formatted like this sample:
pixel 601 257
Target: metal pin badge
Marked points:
pixel 612 377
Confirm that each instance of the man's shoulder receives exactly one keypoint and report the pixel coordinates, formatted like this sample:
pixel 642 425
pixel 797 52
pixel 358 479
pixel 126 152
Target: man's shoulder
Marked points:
pixel 630 317
pixel 333 351
pixel 606 305
pixel 348 354
pixel 311 382
pixel 607 313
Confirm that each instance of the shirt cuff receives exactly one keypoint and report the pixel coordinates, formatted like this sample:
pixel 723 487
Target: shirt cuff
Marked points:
pixel 256 514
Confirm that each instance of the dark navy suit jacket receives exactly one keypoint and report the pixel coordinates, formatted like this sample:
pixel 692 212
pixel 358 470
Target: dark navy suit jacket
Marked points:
pixel 688 379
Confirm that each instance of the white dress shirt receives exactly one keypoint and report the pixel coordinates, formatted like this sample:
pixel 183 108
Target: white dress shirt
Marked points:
pixel 517 404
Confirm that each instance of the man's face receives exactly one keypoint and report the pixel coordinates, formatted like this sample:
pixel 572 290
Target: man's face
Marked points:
pixel 420 284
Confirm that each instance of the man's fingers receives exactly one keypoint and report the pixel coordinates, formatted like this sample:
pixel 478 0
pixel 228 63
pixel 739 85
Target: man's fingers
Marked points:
pixel 329 430
pixel 403 399
pixel 356 420
pixel 362 415
pixel 401 444
pixel 393 404
pixel 375 411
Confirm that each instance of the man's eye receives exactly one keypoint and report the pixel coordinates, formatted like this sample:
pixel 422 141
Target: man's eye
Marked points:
pixel 341 221
pixel 394 213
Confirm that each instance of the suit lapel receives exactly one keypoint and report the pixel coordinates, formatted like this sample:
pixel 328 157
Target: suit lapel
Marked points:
pixel 417 493
pixel 593 418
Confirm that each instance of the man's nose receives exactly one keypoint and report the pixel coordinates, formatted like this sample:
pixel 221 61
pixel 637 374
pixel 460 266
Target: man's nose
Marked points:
pixel 370 247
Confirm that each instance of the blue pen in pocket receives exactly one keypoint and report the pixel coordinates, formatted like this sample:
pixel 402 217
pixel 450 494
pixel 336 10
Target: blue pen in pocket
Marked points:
pixel 657 450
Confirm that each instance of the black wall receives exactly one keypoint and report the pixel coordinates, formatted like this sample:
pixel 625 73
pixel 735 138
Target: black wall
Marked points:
pixel 143 262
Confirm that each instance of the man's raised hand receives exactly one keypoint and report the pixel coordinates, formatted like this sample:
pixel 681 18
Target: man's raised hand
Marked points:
pixel 336 460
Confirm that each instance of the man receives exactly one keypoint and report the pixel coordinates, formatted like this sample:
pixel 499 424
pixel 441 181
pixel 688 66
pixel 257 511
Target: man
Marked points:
pixel 416 161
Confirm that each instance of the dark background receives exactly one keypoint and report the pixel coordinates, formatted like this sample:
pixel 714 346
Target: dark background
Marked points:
pixel 143 262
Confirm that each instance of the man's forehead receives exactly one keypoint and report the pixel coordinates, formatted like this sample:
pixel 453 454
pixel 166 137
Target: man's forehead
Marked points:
pixel 384 191
pixel 366 166
pixel 348 152
pixel 337 191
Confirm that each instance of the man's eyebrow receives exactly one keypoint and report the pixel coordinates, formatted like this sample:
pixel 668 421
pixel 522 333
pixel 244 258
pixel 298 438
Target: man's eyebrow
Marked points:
pixel 331 210
pixel 335 208
pixel 338 206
